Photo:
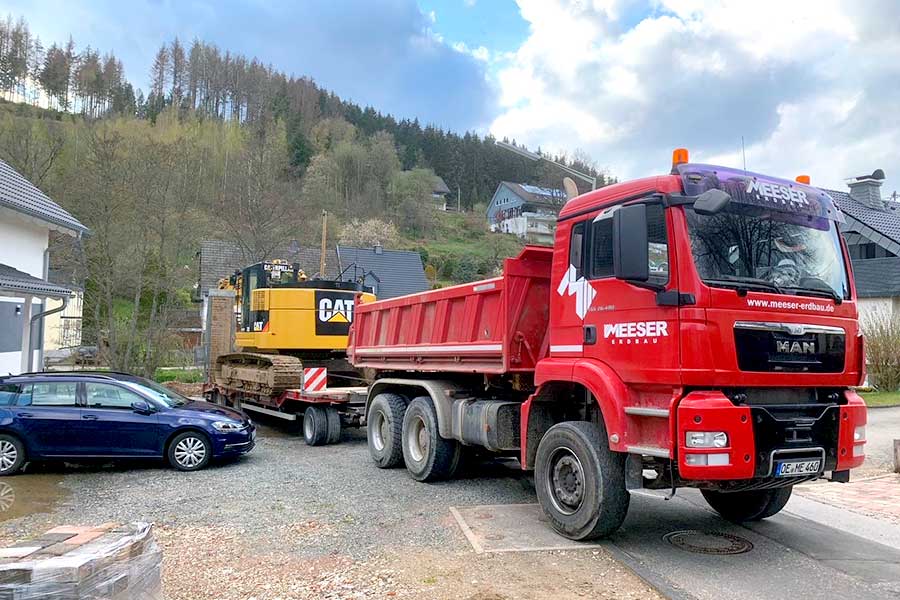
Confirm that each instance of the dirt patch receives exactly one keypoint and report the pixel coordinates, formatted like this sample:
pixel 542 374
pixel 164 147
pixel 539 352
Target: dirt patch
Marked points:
pixel 185 389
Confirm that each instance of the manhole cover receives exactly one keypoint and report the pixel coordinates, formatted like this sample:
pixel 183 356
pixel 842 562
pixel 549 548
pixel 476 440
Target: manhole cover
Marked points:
pixel 708 542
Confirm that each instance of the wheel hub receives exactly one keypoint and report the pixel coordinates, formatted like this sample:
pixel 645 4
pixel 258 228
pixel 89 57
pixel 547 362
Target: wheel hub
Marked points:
pixel 566 481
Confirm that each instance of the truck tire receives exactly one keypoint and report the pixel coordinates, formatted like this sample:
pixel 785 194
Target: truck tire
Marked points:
pixel 753 505
pixel 580 482
pixel 334 425
pixel 428 456
pixel 315 426
pixel 384 426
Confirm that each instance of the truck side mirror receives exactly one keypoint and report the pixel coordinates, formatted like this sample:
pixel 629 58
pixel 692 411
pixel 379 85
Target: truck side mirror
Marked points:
pixel 711 202
pixel 631 259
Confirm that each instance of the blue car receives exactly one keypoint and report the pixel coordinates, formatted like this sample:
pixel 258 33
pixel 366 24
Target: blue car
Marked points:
pixel 77 415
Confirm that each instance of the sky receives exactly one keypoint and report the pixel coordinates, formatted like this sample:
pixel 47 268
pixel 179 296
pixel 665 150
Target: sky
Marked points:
pixel 811 87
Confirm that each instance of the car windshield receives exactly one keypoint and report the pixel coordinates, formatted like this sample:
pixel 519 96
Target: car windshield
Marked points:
pixel 785 253
pixel 158 392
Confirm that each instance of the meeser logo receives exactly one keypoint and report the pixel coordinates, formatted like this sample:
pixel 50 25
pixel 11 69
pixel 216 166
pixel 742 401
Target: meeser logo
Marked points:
pixel 636 332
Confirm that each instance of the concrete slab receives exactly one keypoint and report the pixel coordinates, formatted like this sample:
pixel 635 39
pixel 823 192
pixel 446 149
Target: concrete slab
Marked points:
pixel 511 528
pixel 792 557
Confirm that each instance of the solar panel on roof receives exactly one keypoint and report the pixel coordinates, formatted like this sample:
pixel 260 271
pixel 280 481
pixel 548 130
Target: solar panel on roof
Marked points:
pixel 542 191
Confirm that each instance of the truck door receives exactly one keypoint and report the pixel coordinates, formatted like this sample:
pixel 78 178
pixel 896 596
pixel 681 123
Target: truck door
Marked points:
pixel 573 295
pixel 627 326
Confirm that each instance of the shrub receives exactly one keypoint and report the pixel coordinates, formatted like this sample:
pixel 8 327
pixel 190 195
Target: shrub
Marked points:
pixel 882 333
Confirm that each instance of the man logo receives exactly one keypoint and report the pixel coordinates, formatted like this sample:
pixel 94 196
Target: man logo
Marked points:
pixel 334 312
pixel 788 347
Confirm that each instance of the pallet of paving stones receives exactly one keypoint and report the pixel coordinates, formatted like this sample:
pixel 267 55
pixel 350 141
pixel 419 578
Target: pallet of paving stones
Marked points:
pixel 109 562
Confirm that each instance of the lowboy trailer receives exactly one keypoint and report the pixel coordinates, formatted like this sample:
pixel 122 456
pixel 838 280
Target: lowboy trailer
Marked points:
pixel 696 329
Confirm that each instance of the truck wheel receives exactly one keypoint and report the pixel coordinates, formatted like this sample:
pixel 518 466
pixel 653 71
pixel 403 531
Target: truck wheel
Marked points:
pixel 334 425
pixel 315 426
pixel 753 505
pixel 384 426
pixel 580 483
pixel 428 456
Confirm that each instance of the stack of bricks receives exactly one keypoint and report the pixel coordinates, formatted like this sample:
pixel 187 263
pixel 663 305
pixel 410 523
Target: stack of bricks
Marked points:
pixel 111 561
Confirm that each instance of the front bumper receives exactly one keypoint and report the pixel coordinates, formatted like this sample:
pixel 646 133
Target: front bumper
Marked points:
pixel 235 443
pixel 761 435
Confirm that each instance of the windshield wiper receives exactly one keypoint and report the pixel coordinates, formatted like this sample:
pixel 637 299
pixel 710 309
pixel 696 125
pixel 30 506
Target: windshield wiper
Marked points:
pixel 817 292
pixel 742 284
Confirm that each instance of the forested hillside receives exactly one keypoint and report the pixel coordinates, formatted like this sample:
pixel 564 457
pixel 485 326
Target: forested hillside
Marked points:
pixel 225 146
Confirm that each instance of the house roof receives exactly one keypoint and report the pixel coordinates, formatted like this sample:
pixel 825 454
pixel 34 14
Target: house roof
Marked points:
pixel 20 195
pixel 219 258
pixel 882 222
pixel 877 277
pixel 440 186
pixel 534 194
pixel 392 272
pixel 18 283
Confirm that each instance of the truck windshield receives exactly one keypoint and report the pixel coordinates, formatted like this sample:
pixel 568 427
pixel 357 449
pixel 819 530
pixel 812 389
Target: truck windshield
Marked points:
pixel 750 247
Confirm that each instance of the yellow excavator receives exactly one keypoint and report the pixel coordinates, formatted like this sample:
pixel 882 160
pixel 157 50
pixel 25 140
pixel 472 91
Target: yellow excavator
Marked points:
pixel 286 323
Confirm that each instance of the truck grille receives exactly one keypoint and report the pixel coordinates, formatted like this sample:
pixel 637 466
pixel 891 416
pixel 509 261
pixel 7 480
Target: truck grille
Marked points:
pixel 789 347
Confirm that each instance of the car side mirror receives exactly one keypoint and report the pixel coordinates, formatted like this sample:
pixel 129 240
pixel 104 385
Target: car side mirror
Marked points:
pixel 631 254
pixel 141 407
pixel 711 202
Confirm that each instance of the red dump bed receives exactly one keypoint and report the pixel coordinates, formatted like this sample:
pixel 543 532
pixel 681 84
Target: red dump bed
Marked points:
pixel 497 325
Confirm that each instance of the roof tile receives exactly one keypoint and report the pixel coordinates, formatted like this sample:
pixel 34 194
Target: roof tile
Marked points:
pixel 21 195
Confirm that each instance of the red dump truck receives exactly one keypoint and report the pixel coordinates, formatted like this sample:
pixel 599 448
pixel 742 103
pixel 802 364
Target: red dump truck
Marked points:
pixel 696 329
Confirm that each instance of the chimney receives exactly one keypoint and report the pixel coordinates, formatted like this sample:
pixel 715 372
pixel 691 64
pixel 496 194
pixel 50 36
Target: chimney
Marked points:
pixel 379 249
pixel 866 189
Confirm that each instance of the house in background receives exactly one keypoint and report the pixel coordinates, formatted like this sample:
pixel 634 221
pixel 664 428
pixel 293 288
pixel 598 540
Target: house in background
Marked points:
pixel 872 233
pixel 440 193
pixel 390 273
pixel 27 216
pixel 527 211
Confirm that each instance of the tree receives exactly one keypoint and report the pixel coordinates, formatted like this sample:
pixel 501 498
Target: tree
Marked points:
pixel 368 233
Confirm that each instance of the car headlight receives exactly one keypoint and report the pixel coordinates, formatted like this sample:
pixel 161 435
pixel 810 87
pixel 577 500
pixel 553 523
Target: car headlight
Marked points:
pixel 227 426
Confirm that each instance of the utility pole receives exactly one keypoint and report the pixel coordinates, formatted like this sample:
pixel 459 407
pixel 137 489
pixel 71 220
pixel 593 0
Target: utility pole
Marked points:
pixel 322 256
pixel 536 157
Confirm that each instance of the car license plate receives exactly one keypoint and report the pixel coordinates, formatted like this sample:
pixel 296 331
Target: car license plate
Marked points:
pixel 794 468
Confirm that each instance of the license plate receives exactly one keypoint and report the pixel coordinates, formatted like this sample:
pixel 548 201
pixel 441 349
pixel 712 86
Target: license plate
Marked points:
pixel 798 467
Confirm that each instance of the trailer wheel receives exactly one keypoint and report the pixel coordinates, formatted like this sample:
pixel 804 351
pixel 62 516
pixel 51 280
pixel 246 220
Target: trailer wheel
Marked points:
pixel 384 425
pixel 580 482
pixel 753 505
pixel 315 426
pixel 428 456
pixel 334 425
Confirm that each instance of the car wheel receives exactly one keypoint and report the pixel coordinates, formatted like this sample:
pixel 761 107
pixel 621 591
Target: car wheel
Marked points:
pixel 12 455
pixel 190 451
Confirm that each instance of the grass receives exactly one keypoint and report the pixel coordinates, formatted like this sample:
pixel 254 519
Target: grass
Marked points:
pixel 179 375
pixel 881 398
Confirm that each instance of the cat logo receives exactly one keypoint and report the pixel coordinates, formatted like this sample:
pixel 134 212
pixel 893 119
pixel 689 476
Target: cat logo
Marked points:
pixel 334 312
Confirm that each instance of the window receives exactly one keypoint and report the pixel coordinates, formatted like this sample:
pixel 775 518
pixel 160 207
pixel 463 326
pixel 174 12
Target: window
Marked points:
pixel 602 247
pixel 657 240
pixel 576 249
pixel 8 393
pixel 103 395
pixel 658 244
pixel 49 394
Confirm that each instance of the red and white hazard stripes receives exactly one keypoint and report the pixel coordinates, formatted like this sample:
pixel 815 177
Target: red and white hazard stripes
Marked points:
pixel 315 379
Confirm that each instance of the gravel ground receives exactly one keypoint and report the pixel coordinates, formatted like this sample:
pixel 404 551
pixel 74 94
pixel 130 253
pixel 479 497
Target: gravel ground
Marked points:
pixel 292 521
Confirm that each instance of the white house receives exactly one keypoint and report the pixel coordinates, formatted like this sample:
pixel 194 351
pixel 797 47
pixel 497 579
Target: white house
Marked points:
pixel 27 216
pixel 527 211
pixel 872 233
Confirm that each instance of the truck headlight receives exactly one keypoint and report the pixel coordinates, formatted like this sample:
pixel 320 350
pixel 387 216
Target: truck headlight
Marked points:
pixel 706 439
pixel 227 426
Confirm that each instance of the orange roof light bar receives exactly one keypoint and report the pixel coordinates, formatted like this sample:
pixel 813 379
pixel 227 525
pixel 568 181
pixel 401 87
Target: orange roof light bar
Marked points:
pixel 679 156
pixel 802 179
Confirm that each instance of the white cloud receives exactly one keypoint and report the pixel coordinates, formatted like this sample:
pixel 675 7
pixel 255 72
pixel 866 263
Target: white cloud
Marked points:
pixel 812 86
pixel 480 53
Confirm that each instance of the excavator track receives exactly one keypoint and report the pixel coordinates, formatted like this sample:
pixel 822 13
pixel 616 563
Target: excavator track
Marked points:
pixel 267 374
